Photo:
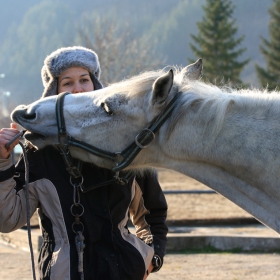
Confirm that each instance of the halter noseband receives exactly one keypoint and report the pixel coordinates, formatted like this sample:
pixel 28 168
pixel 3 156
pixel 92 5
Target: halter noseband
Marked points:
pixel 121 159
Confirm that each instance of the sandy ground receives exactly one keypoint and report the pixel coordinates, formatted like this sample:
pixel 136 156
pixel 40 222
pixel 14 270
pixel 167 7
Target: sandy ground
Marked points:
pixel 16 264
pixel 220 267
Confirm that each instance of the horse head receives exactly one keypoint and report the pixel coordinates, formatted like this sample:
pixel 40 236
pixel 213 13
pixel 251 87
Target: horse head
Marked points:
pixel 102 118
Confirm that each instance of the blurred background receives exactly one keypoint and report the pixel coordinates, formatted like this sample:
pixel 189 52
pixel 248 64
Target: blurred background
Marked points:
pixel 129 37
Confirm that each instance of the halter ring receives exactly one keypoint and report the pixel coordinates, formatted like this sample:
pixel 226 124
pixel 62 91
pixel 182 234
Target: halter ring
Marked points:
pixel 80 224
pixel 77 205
pixel 79 183
pixel 138 135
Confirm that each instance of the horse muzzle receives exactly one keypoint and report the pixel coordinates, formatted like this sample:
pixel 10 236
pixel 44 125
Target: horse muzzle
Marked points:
pixel 21 114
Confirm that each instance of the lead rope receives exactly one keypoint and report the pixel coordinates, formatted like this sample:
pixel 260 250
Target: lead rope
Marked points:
pixel 26 166
pixel 79 239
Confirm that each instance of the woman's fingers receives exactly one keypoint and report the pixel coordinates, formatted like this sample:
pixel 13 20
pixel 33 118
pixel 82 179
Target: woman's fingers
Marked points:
pixel 13 125
pixel 6 135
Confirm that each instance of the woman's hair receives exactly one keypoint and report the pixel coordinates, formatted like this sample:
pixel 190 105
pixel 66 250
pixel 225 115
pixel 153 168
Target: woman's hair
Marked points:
pixel 64 58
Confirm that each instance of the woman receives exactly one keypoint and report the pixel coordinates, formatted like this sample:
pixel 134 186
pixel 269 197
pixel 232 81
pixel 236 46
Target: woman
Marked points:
pixel 85 234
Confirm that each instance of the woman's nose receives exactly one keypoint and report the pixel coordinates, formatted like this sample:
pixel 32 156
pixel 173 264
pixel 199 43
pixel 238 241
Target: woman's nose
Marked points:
pixel 77 88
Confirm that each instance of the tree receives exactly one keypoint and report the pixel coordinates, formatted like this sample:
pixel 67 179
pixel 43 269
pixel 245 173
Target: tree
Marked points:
pixel 44 28
pixel 270 77
pixel 120 53
pixel 216 44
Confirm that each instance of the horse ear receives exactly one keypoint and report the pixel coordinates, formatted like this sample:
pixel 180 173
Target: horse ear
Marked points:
pixel 194 70
pixel 162 87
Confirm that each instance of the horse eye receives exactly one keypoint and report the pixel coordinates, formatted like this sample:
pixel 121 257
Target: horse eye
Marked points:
pixel 106 108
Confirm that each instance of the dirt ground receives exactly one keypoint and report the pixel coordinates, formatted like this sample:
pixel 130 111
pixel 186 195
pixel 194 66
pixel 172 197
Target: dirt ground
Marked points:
pixel 220 267
pixel 16 264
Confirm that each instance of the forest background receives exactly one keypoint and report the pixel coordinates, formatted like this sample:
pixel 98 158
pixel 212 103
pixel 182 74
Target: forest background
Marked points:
pixel 145 34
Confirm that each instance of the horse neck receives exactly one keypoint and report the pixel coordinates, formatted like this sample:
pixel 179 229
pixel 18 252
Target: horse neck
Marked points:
pixel 245 138
pixel 240 160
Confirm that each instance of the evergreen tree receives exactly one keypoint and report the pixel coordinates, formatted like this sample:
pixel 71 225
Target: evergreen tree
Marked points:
pixel 216 44
pixel 270 77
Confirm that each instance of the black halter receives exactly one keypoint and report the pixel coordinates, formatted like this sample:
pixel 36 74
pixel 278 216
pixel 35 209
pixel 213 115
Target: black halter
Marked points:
pixel 121 159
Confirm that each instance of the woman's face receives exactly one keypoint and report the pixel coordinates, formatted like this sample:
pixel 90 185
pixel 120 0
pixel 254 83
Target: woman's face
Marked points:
pixel 75 80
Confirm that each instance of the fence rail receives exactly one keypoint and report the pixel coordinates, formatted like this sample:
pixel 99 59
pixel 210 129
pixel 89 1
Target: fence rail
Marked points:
pixel 189 192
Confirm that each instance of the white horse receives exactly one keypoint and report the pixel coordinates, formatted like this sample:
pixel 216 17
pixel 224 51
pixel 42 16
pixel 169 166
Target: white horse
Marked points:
pixel 225 138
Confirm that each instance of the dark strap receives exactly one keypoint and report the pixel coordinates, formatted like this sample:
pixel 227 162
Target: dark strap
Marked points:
pixel 59 114
pixel 123 180
pixel 7 174
pixel 68 160
pixel 144 137
pixel 91 149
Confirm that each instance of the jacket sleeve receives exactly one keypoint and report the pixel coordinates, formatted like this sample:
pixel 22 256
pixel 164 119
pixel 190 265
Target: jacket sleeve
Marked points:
pixel 12 198
pixel 155 203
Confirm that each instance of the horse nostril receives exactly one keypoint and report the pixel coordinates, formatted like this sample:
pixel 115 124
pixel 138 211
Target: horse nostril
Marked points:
pixel 29 116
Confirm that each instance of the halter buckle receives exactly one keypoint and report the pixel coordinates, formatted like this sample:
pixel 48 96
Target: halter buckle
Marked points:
pixel 146 136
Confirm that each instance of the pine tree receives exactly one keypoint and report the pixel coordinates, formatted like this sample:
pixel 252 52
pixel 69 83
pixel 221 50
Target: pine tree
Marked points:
pixel 216 44
pixel 270 77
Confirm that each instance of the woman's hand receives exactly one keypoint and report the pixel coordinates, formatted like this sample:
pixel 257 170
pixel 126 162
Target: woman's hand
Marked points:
pixel 6 134
pixel 150 268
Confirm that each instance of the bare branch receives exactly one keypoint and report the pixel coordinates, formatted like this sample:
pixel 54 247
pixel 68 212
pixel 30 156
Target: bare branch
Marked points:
pixel 121 55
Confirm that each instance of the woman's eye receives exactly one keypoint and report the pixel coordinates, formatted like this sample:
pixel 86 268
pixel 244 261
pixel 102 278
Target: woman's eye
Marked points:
pixel 85 80
pixel 106 108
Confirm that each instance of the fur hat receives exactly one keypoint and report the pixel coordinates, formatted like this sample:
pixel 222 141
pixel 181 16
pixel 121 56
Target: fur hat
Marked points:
pixel 62 59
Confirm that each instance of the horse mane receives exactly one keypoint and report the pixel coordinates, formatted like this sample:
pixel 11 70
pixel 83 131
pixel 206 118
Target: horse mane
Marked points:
pixel 209 99
pixel 136 85
pixel 212 100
